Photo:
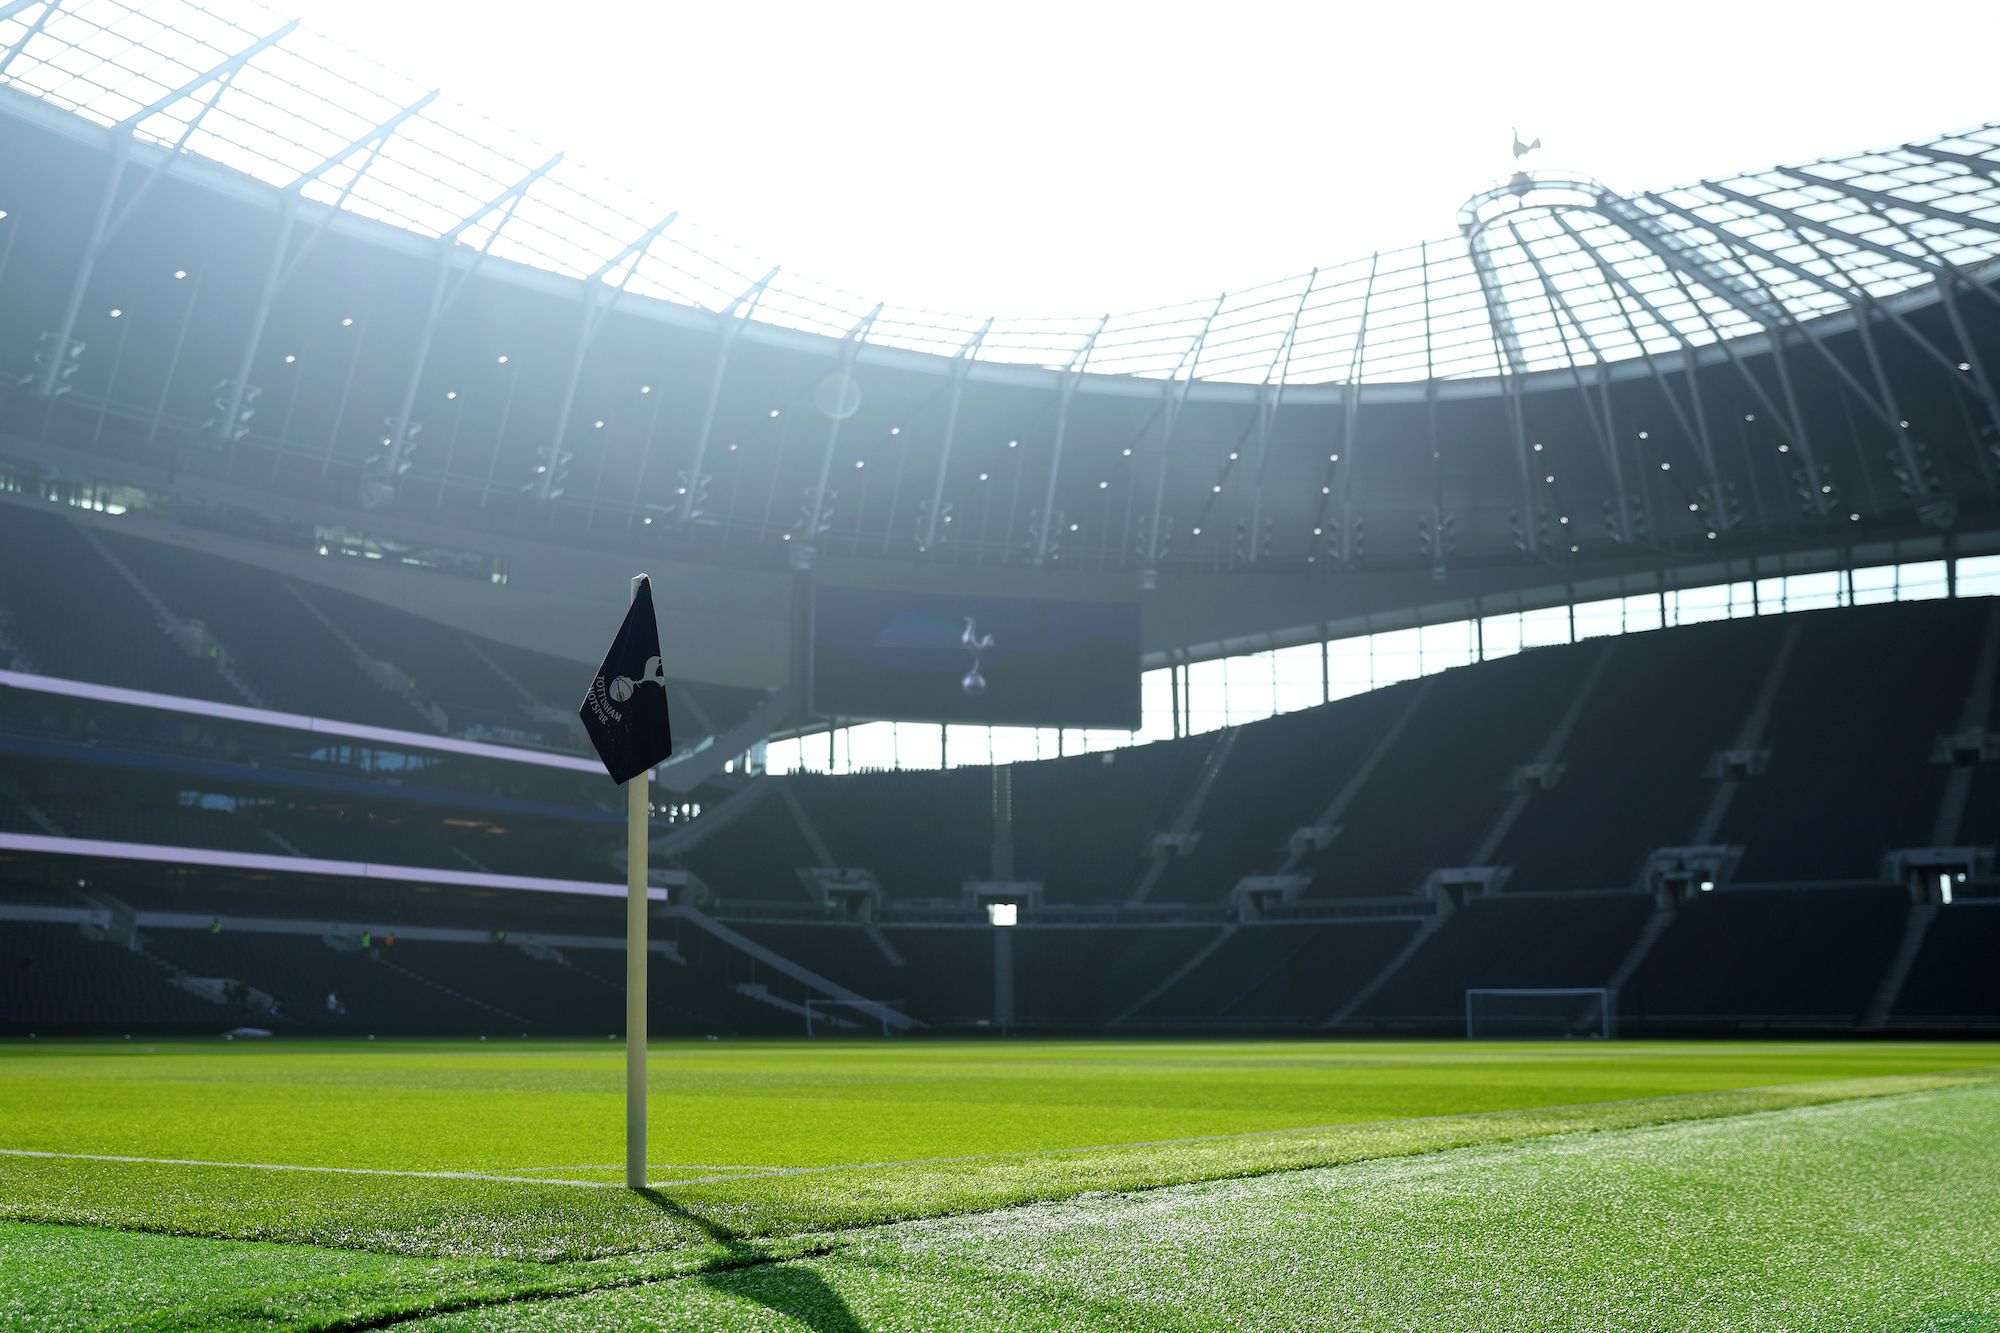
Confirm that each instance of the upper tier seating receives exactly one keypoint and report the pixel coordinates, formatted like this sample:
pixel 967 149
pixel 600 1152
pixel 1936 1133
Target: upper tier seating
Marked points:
pixel 1868 691
pixel 1279 776
pixel 921 833
pixel 1632 770
pixel 1129 794
pixel 72 614
pixel 1441 787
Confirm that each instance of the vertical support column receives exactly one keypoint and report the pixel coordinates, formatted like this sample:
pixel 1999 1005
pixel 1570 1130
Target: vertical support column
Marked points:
pixel 1174 394
pixel 445 291
pixel 1269 400
pixel 1350 408
pixel 808 546
pixel 1003 978
pixel 597 307
pixel 960 368
pixel 1045 528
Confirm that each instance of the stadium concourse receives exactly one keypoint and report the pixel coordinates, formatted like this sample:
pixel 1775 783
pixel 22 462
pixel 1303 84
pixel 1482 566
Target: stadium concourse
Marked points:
pixel 1434 732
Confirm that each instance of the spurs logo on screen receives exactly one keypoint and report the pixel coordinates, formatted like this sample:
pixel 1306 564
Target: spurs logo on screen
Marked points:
pixel 977 644
pixel 922 655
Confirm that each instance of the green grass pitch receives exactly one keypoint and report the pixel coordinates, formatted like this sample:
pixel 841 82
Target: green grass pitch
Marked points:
pixel 938 1184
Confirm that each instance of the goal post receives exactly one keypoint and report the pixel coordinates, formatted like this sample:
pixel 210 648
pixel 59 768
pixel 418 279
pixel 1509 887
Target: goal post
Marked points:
pixel 835 1016
pixel 1528 1013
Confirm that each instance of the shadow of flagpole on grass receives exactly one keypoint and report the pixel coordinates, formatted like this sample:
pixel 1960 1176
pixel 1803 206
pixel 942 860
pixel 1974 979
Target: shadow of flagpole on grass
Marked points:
pixel 788 1288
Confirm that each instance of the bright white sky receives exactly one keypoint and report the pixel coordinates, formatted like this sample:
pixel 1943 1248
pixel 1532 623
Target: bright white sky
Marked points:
pixel 1079 156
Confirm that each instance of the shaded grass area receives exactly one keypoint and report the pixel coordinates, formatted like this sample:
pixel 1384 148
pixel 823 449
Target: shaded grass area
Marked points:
pixel 67 1277
pixel 1857 1217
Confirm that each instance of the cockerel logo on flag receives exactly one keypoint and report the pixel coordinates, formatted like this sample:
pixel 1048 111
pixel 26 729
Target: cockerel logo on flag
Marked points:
pixel 626 709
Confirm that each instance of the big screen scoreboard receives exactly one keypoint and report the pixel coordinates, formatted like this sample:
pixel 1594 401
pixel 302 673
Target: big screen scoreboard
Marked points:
pixel 926 656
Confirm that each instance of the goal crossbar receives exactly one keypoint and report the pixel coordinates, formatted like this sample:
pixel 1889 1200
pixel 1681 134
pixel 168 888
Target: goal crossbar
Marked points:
pixel 1564 1006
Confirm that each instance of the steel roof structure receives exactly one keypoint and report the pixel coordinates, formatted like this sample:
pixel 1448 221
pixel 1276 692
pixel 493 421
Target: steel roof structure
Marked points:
pixel 439 326
pixel 1547 274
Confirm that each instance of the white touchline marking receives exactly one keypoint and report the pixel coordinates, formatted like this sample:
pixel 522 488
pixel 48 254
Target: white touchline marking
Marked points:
pixel 331 1170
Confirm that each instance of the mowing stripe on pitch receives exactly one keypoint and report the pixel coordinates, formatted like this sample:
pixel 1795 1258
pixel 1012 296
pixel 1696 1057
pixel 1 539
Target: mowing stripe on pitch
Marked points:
pixel 767 1173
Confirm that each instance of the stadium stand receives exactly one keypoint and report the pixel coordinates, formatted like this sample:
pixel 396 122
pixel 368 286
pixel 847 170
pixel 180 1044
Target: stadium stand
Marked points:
pixel 1625 788
pixel 1513 941
pixel 1779 959
pixel 1413 814
pixel 1132 795
pixel 1628 731
pixel 1255 974
pixel 73 615
pixel 53 980
pixel 868 820
pixel 1850 777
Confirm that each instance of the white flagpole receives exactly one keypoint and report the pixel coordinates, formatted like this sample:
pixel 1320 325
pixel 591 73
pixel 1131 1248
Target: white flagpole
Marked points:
pixel 636 800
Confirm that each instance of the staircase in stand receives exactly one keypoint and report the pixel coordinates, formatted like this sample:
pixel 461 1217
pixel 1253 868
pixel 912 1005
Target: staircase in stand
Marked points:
pixel 1190 811
pixel 1389 969
pixel 519 1023
pixel 1915 926
pixel 11 656
pixel 191 636
pixel 1649 935
pixel 388 675
pixel 1173 978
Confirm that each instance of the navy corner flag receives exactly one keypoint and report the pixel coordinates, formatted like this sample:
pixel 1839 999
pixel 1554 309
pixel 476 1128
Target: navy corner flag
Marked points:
pixel 626 709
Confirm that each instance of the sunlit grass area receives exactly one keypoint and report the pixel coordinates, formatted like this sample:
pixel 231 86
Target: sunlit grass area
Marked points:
pixel 345 1182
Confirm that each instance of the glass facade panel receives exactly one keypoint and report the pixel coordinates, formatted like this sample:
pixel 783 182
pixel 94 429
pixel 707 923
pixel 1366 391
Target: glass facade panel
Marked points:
pixel 1642 613
pixel 1921 581
pixel 1447 646
pixel 1500 636
pixel 1813 592
pixel 1296 673
pixel 1549 625
pixel 1979 576
pixel 1205 702
pixel 1596 619
pixel 1395 655
pixel 1877 583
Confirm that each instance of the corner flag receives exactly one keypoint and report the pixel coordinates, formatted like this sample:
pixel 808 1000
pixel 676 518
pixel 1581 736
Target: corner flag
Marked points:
pixel 625 713
pixel 626 709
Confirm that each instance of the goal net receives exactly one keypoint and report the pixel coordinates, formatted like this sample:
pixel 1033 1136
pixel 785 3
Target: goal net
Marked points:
pixel 1532 1013
pixel 825 1018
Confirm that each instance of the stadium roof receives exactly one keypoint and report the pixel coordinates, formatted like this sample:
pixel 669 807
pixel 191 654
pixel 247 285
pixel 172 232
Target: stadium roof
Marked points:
pixel 1546 274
